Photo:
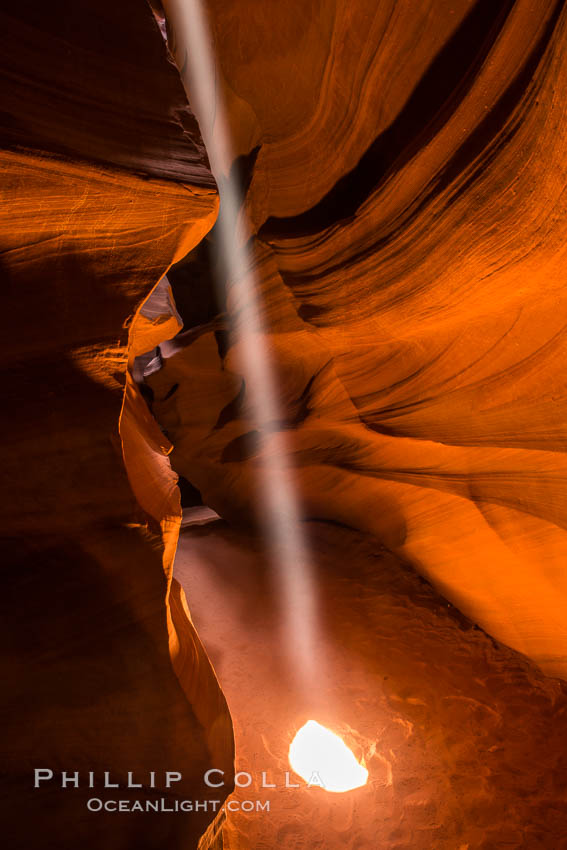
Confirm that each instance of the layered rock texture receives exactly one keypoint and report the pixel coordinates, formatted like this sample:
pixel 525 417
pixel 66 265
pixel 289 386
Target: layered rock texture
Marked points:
pixel 403 187
pixel 105 182
pixel 406 188
pixel 403 168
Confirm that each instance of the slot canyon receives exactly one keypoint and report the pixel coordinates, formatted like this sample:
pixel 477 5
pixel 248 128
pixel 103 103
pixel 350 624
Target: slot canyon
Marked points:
pixel 284 540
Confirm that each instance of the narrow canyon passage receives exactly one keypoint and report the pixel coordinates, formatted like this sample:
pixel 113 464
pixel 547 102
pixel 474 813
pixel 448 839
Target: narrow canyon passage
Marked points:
pixel 436 709
pixel 297 271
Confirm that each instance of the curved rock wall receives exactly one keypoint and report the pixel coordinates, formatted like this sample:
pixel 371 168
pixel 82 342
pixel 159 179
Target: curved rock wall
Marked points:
pixel 105 183
pixel 407 196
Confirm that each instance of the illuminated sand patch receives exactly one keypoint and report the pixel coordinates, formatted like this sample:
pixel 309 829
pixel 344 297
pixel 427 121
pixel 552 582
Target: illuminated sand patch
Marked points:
pixel 323 759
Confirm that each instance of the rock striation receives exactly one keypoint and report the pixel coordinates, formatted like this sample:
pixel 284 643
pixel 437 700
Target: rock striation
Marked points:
pixel 105 183
pixel 406 193
pixel 403 177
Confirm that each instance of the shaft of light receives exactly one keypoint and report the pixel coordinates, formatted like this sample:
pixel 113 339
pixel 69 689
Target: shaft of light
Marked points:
pixel 192 46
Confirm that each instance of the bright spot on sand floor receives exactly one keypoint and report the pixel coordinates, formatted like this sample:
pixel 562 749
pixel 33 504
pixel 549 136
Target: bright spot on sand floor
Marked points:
pixel 323 759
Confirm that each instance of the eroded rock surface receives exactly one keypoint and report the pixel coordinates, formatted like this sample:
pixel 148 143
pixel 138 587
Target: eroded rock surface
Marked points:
pixel 407 196
pixel 105 182
pixel 404 174
pixel 406 191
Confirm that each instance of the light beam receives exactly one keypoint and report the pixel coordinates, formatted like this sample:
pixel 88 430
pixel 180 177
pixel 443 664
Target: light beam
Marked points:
pixel 191 43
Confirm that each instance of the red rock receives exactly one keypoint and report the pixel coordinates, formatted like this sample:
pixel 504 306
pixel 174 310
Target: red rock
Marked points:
pixel 105 183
